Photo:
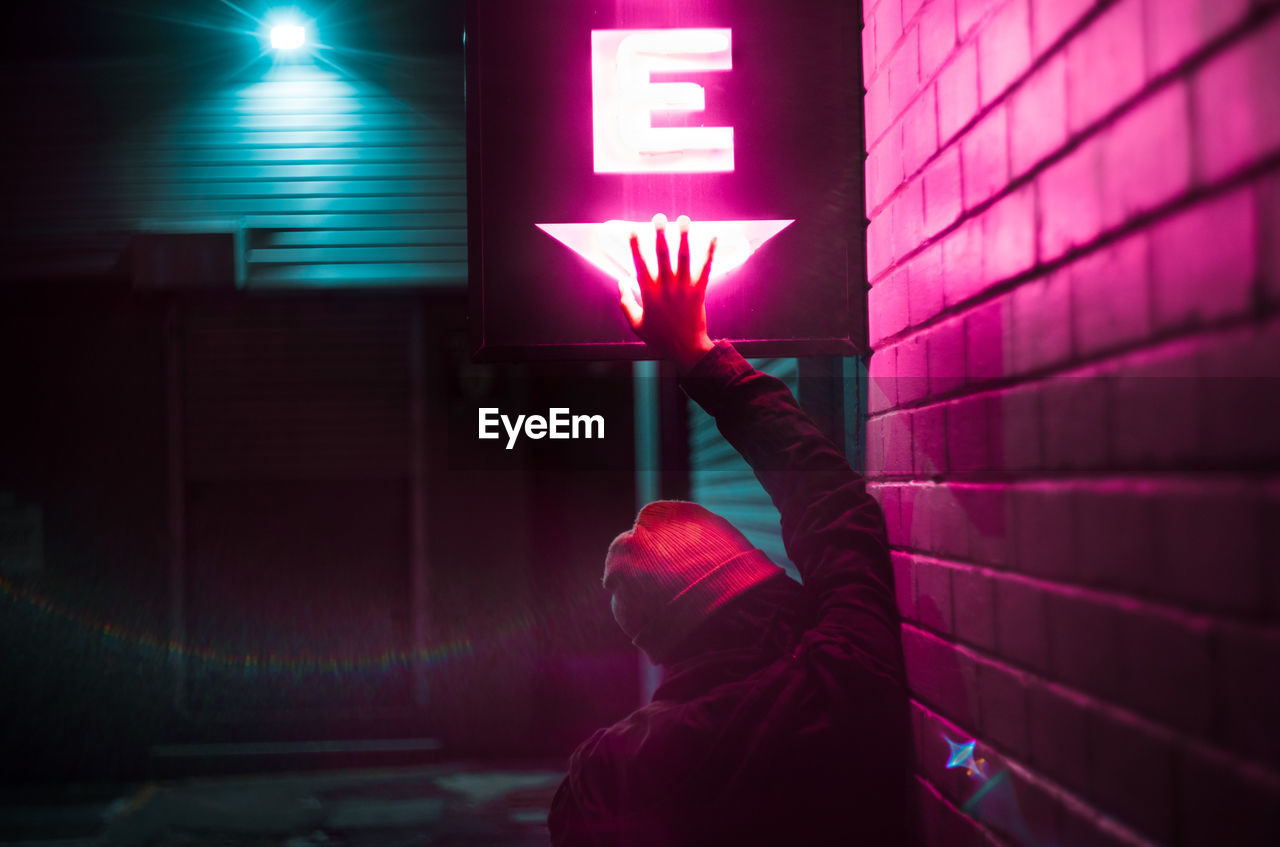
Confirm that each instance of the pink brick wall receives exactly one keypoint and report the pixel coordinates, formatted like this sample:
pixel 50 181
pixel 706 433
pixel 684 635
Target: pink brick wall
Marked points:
pixel 1074 253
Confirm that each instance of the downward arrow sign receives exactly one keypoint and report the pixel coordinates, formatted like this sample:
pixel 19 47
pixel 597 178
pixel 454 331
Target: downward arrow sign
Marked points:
pixel 608 245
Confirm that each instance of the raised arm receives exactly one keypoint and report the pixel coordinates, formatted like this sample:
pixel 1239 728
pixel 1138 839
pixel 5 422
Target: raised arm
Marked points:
pixel 833 530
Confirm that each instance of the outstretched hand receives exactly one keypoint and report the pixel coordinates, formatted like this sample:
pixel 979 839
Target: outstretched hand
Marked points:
pixel 670 314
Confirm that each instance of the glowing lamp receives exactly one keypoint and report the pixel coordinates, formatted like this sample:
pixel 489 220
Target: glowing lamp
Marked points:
pixel 288 36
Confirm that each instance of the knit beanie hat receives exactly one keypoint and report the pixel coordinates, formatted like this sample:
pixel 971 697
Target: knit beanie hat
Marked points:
pixel 674 568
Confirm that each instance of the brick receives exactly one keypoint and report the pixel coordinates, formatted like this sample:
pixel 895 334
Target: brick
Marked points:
pixel 1105 64
pixel 945 350
pixel 929 436
pixel 957 93
pixel 1070 202
pixel 1132 773
pixel 967 436
pixel 1134 178
pixel 1154 402
pixel 1176 29
pixel 933 596
pixel 1223 801
pixel 882 380
pixel 973 608
pixel 1009 236
pixel 1207 538
pixel 876 113
pixel 1241 396
pixel 937 36
pixel 875 447
pixel 1245 689
pixel 890 497
pixel 943 198
pixel 888 22
pixel 1039 809
pixel 942 823
pixel 917 520
pixel 904 590
pixel 1038 116
pixel 941 676
pixel 1111 296
pixel 950 536
pixel 1052 18
pixel 907 210
pixel 1004 707
pixel 887 307
pixel 1085 638
pixel 1194 284
pixel 920 132
pixel 1075 421
pixel 988 332
pixel 1041 323
pixel 1268 211
pixel 897 443
pixel 1082 826
pixel 1236 107
pixel 925 299
pixel 1004 49
pixel 989 515
pixel 1167 669
pixel 1045 530
pixel 1059 736
pixel 904 76
pixel 1016 442
pixel 1115 532
pixel 913 371
pixel 879 245
pixel 970 12
pixel 962 257
pixel 1021 625
pixel 984 154
pixel 884 169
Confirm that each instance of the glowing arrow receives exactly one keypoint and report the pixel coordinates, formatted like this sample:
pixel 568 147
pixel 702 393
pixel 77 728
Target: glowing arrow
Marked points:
pixel 608 245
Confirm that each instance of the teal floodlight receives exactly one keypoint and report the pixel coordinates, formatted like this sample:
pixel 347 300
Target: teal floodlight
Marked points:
pixel 288 33
pixel 288 36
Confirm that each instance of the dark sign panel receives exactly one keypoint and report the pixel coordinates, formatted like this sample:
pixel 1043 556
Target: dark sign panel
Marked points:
pixel 587 118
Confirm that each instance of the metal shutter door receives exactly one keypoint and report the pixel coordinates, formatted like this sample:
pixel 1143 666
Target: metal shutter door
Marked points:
pixel 722 481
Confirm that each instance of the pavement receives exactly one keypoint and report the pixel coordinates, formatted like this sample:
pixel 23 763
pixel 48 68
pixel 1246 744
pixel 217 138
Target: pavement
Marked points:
pixel 454 805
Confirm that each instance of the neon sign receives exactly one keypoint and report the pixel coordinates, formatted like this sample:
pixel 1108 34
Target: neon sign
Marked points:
pixel 624 140
pixel 624 98
pixel 587 117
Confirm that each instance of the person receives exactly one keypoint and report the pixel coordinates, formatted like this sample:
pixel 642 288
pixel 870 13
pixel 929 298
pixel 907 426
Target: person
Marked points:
pixel 782 713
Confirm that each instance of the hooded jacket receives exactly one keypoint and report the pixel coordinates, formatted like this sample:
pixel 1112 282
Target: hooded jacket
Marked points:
pixel 799 735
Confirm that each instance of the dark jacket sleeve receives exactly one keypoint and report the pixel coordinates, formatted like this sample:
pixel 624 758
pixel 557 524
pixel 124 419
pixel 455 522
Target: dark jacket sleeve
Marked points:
pixel 833 529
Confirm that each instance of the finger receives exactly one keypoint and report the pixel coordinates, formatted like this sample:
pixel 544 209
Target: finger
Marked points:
pixel 682 253
pixel 642 268
pixel 630 307
pixel 705 276
pixel 664 255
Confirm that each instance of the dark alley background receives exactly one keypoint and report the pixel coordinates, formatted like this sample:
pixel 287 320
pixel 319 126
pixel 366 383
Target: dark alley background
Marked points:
pixel 260 582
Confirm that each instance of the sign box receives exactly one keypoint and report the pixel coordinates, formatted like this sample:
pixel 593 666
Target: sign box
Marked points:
pixel 585 118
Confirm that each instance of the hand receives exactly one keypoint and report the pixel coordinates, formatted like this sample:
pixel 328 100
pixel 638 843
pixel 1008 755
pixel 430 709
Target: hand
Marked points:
pixel 671 315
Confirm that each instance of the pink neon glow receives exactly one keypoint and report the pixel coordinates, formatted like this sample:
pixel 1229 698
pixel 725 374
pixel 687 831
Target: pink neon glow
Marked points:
pixel 607 245
pixel 624 100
